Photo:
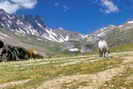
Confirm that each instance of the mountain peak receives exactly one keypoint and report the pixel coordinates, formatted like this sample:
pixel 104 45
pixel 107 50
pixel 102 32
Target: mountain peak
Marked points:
pixel 35 25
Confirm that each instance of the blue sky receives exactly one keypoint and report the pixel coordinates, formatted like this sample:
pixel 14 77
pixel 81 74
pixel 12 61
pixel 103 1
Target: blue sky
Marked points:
pixel 83 16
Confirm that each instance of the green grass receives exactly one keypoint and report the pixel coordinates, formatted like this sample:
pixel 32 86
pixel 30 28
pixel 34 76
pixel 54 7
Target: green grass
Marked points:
pixel 126 47
pixel 41 73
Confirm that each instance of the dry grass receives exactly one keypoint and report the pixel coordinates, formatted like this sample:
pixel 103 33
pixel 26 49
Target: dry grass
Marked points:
pixel 39 71
pixel 122 81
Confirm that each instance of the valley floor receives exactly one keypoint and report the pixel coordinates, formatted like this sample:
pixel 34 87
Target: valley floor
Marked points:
pixel 79 72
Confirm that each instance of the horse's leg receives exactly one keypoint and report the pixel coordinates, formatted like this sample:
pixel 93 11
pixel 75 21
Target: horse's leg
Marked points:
pixel 107 52
pixel 100 53
pixel 104 52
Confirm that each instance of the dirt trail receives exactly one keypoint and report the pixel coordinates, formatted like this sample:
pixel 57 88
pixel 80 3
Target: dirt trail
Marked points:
pixel 4 85
pixel 93 81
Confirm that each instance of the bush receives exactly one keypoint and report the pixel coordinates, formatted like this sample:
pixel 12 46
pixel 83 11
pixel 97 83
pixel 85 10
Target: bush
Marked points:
pixel 12 53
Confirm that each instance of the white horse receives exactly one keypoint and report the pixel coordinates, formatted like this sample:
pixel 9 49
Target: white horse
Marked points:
pixel 103 48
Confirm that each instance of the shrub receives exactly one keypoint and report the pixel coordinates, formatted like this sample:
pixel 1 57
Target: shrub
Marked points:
pixel 12 53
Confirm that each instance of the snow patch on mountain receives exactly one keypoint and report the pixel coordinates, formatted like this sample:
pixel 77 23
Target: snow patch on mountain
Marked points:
pixel 130 22
pixel 51 35
pixel 34 25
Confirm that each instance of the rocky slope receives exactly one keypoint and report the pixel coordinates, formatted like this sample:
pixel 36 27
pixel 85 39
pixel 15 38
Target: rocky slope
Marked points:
pixel 34 25
pixel 115 35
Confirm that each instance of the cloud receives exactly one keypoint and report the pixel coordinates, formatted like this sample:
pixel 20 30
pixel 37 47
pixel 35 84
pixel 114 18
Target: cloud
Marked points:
pixel 25 3
pixel 56 4
pixel 11 6
pixel 7 6
pixel 109 6
pixel 63 6
pixel 66 8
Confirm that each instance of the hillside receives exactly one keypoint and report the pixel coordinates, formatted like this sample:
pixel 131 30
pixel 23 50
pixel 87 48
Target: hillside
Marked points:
pixel 80 72
pixel 115 35
pixel 43 47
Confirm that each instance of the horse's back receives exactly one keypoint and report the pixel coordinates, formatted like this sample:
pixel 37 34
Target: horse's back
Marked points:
pixel 102 44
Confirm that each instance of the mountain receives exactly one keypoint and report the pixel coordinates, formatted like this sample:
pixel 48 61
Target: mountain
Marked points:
pixel 115 35
pixel 34 25
pixel 32 32
pixel 43 47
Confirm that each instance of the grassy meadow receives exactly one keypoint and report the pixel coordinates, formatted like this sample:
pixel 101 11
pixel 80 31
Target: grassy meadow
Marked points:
pixel 40 71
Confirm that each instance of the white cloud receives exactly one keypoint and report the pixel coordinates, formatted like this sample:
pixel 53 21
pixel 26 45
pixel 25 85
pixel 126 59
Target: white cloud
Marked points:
pixel 7 6
pixel 25 3
pixel 12 6
pixel 109 6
